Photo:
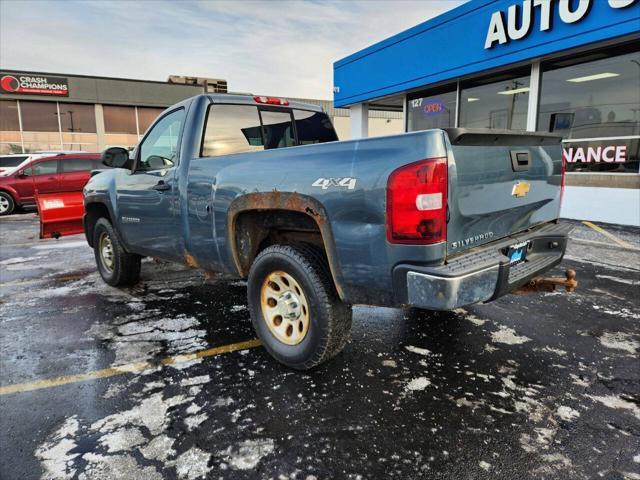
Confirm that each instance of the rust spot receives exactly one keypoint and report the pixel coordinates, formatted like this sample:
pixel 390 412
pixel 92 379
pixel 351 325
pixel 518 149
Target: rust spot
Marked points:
pixel 546 284
pixel 311 212
pixel 283 201
pixel 70 276
pixel 190 260
pixel 209 275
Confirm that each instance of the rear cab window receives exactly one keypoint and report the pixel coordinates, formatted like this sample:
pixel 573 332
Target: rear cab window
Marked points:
pixel 246 128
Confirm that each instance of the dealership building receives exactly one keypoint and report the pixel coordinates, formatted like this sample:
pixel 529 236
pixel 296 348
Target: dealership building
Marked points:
pixel 48 111
pixel 568 67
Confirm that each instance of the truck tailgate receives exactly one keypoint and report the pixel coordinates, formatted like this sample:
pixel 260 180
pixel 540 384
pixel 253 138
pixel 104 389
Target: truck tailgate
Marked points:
pixel 500 183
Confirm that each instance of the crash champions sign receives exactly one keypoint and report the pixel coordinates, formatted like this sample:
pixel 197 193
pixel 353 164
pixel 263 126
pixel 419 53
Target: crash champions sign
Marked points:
pixel 33 84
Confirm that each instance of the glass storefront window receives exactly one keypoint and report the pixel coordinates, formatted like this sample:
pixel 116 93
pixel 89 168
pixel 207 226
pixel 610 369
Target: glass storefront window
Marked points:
pixel 9 121
pixel 595 99
pixel 499 104
pixel 146 116
pixel 594 103
pixel 39 116
pixel 77 118
pixel 120 119
pixel 433 110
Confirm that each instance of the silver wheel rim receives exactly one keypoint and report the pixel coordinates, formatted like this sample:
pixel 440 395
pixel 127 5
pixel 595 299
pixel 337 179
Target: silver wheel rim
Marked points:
pixel 105 247
pixel 285 309
pixel 4 204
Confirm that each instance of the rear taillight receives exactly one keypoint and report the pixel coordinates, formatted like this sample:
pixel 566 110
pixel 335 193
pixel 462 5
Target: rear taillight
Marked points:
pixel 417 203
pixel 564 171
pixel 271 100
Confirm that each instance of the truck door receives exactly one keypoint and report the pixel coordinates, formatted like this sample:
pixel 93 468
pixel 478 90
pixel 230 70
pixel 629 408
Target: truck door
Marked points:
pixel 148 197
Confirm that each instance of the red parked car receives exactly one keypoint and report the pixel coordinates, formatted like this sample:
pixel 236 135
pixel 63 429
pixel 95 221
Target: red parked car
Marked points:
pixel 59 173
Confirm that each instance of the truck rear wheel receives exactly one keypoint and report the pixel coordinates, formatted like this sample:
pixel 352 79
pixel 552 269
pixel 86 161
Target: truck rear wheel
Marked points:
pixel 294 306
pixel 116 266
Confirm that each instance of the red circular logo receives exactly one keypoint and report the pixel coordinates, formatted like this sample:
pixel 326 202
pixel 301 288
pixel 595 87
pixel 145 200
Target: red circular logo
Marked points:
pixel 9 83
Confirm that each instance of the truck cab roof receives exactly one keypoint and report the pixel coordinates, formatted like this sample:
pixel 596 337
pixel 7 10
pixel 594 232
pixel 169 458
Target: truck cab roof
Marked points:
pixel 251 100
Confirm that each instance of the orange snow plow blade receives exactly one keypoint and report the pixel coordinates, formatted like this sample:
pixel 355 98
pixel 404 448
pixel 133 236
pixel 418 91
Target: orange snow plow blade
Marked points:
pixel 60 213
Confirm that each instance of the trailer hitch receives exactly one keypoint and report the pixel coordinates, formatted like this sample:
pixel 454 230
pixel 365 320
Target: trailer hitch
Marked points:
pixel 548 284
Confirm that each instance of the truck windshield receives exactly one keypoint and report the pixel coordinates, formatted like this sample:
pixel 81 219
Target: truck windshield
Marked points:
pixel 242 128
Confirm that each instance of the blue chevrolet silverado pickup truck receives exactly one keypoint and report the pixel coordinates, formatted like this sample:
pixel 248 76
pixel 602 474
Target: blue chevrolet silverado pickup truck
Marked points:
pixel 260 188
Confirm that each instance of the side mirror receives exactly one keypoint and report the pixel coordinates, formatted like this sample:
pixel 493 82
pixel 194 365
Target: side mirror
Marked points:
pixel 116 157
pixel 23 174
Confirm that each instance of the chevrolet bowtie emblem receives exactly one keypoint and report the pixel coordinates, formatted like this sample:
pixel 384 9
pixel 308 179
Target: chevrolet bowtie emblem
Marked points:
pixel 520 189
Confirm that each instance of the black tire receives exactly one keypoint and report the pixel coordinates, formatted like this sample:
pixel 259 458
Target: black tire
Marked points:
pixel 124 268
pixel 7 204
pixel 329 318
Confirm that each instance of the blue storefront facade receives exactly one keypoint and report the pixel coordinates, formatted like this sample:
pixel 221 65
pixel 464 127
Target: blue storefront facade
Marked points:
pixel 567 66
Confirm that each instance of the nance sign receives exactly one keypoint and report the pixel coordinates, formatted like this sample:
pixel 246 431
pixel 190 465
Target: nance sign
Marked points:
pixel 24 83
pixel 574 153
pixel 520 17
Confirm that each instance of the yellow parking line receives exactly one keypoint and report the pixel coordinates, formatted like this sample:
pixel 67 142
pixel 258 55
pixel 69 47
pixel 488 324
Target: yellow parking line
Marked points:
pixel 128 368
pixel 611 236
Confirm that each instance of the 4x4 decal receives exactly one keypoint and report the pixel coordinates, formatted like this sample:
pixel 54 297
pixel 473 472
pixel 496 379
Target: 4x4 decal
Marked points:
pixel 347 182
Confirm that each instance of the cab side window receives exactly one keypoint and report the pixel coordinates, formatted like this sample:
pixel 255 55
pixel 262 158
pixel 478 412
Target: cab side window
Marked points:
pixel 45 168
pixel 160 147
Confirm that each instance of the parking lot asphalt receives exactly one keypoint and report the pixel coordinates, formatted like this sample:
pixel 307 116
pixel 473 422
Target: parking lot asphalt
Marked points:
pixel 98 382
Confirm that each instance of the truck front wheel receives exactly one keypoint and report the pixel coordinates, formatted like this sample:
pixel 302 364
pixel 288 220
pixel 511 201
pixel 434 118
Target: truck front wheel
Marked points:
pixel 294 306
pixel 116 266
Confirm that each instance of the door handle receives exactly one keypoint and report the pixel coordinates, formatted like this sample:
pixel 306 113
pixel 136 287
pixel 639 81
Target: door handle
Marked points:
pixel 161 186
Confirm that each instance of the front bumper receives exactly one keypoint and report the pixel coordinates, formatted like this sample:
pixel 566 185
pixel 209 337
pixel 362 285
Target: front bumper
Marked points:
pixel 483 274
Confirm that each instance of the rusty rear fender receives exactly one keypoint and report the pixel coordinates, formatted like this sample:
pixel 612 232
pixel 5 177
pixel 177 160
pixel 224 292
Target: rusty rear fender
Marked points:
pixel 284 201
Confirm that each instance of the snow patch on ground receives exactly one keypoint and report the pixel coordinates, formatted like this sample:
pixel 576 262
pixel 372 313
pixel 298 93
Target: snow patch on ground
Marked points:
pixel 616 402
pixel 160 448
pixel 508 336
pixel 108 467
pixel 557 351
pixel 150 413
pixel 618 279
pixel 187 382
pixel 419 383
pixel 246 455
pixel 418 350
pixel 620 313
pixel 54 454
pixel 122 439
pixel 15 260
pixel 193 464
pixel 619 341
pixel 567 414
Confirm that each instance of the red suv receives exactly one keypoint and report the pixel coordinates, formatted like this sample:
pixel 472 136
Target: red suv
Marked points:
pixel 59 173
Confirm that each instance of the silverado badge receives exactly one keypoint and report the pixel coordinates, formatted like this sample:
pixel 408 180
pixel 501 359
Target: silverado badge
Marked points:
pixel 520 189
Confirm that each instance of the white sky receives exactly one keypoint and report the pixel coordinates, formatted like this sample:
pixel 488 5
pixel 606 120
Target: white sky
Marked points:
pixel 284 48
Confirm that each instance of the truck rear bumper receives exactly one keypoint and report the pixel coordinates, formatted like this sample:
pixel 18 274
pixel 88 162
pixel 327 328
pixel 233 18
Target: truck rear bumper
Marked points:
pixel 483 274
